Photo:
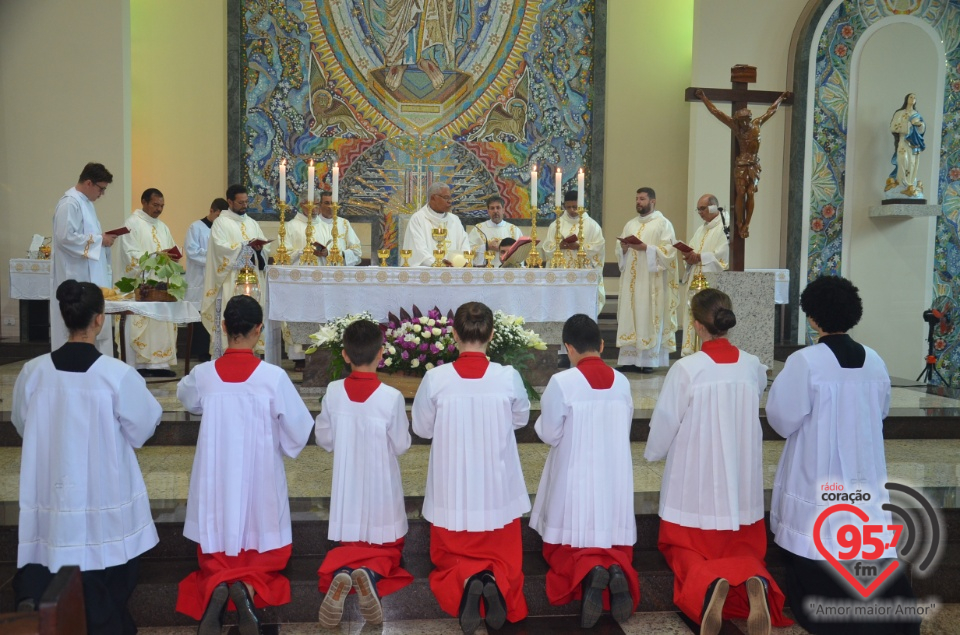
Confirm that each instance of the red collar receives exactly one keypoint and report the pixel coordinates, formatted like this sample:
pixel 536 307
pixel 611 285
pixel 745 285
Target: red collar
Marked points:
pixel 596 371
pixel 236 365
pixel 721 351
pixel 471 365
pixel 360 385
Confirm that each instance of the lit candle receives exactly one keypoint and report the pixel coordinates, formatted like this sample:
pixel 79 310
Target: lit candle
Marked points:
pixel 283 181
pixel 556 189
pixel 533 187
pixel 336 182
pixel 580 187
pixel 310 174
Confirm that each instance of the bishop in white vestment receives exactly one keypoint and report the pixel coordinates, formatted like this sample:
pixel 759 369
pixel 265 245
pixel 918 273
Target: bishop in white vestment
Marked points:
pixel 80 250
pixel 647 310
pixel 435 214
pixel 710 256
pixel 568 225
pixel 151 344
pixel 228 251
pixel 486 236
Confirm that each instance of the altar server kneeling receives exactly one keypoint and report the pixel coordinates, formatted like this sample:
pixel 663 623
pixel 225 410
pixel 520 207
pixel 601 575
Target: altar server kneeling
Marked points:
pixel 584 506
pixel 707 425
pixel 364 423
pixel 475 488
pixel 238 510
pixel 82 496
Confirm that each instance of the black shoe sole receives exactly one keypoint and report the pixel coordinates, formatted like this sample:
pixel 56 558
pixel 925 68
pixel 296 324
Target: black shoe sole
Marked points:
pixel 621 602
pixel 591 602
pixel 247 621
pixel 212 620
pixel 495 608
pixel 470 619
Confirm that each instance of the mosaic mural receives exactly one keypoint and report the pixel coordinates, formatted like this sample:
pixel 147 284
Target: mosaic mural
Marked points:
pixel 403 93
pixel 828 161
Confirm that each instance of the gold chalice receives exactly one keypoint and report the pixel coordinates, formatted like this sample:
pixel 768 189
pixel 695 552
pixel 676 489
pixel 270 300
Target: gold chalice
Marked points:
pixel 469 256
pixel 438 256
pixel 489 256
pixel 383 254
pixel 405 254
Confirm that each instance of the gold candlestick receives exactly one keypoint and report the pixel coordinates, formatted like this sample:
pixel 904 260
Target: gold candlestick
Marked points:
pixel 383 254
pixel 489 256
pixel 583 260
pixel 533 258
pixel 309 256
pixel 469 256
pixel 282 256
pixel 697 284
pixel 334 255
pixel 405 254
pixel 558 261
pixel 439 235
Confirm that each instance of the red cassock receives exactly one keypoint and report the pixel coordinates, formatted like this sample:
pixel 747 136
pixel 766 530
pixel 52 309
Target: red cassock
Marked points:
pixel 458 555
pixel 570 565
pixel 384 560
pixel 260 570
pixel 700 556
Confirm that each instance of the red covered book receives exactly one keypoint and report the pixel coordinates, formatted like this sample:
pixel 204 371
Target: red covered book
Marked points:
pixel 572 238
pixel 174 252
pixel 120 231
pixel 258 242
pixel 681 246
pixel 630 240
pixel 518 250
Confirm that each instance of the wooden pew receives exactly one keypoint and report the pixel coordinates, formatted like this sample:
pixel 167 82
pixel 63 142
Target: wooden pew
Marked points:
pixel 61 609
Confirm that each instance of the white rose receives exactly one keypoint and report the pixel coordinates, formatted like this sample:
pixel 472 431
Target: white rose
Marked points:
pixel 423 320
pixel 426 334
pixel 414 363
pixel 431 323
pixel 417 328
pixel 436 331
pixel 391 350
pixel 428 365
pixel 388 362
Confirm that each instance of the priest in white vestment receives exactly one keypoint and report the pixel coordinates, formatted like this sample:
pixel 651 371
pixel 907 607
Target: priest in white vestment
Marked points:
pixel 710 256
pixel 486 236
pixel 647 309
pixel 229 250
pixel 151 345
pixel 364 423
pixel 593 243
pixel 584 506
pixel 707 425
pixel 81 250
pixel 82 496
pixel 435 214
pixel 195 248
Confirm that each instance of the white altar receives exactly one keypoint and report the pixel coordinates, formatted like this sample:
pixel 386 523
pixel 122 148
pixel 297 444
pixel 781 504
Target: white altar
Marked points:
pixel 321 294
pixel 30 279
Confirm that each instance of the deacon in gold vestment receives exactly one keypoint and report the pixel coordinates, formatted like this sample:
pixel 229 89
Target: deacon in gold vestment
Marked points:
pixel 227 252
pixel 593 243
pixel 710 256
pixel 151 345
pixel 647 310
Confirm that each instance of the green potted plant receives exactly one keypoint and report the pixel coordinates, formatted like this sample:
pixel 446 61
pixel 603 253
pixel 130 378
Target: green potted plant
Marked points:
pixel 160 280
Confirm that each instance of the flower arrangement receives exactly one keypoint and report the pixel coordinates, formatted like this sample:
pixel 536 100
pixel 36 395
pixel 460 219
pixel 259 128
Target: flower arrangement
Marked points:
pixel 414 343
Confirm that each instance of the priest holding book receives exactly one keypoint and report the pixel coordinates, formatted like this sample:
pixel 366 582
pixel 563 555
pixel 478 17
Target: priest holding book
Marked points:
pixel 568 224
pixel 708 253
pixel 647 310
pixel 151 345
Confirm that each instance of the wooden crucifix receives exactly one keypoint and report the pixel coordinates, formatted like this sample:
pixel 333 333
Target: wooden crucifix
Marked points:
pixel 744 145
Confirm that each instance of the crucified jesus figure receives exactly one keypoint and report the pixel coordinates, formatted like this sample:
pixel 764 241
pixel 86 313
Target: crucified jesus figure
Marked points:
pixel 747 169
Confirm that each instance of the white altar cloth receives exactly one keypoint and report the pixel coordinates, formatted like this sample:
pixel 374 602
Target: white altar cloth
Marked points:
pixel 321 294
pixel 176 312
pixel 29 279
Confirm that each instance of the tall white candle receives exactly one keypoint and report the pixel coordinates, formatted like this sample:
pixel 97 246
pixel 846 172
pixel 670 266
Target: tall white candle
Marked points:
pixel 283 181
pixel 311 171
pixel 556 188
pixel 336 182
pixel 580 187
pixel 533 188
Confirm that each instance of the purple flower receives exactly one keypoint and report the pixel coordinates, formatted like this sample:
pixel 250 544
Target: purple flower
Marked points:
pixel 452 348
pixel 404 355
pixel 440 362
pixel 424 347
pixel 422 358
pixel 391 325
pixel 434 349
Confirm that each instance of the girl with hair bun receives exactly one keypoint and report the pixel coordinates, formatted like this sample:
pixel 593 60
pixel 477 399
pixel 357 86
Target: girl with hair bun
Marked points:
pixel 475 488
pixel 707 425
pixel 82 497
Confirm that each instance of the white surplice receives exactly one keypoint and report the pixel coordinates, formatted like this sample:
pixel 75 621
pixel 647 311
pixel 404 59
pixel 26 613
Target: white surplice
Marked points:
pixel 711 243
pixel 366 500
pixel 593 246
pixel 78 254
pixel 649 293
pixel 419 236
pixel 585 498
pixel 150 343
pixel 227 252
pixel 492 231
pixel 195 248
pixel 832 419
pixel 82 496
pixel 474 478
pixel 707 425
pixel 238 486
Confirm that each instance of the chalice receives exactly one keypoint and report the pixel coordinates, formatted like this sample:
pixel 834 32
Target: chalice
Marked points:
pixel 489 256
pixel 383 254
pixel 469 256
pixel 439 235
pixel 405 254
pixel 438 255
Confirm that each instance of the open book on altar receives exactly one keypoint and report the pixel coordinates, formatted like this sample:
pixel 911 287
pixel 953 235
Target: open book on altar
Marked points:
pixel 518 252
